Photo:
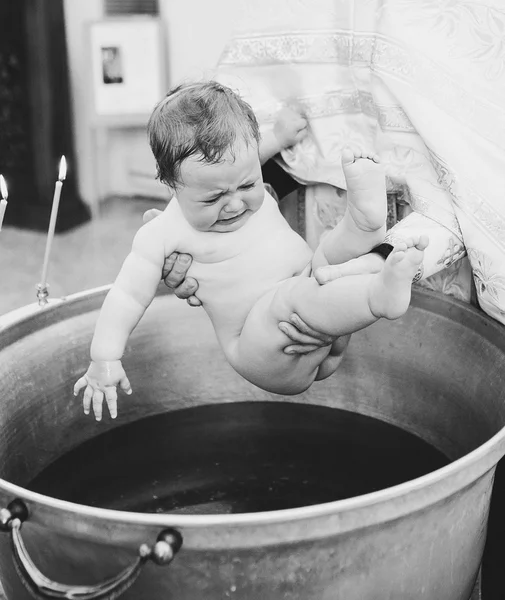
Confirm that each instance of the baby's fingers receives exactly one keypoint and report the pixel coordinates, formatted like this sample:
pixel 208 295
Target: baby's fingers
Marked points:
pixel 111 399
pixel 125 384
pixel 86 399
pixel 97 404
pixel 81 383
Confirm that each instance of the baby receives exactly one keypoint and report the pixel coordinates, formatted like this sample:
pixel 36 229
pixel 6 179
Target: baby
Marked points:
pixel 253 269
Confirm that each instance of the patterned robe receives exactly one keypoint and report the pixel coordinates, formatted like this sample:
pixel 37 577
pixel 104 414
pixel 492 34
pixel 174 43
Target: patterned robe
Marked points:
pixel 422 83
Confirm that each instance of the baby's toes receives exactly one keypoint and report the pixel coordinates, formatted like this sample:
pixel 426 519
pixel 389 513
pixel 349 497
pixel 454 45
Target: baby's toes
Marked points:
pixel 401 246
pixel 411 242
pixel 397 256
pixel 415 254
pixel 348 156
pixel 423 242
pixel 420 242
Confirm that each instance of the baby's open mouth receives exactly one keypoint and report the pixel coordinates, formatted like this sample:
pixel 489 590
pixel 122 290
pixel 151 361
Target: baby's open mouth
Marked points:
pixel 232 219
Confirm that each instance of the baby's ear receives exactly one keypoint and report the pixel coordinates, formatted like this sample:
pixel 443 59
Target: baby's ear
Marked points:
pixel 170 192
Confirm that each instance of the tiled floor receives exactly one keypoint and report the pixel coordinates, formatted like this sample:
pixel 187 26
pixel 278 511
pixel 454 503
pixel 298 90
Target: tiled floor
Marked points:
pixel 86 257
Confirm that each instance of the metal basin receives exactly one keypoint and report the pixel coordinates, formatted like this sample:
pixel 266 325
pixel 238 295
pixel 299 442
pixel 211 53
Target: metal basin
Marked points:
pixel 439 372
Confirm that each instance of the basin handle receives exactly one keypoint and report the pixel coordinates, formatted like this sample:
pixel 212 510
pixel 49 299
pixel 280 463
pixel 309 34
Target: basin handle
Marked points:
pixel 167 545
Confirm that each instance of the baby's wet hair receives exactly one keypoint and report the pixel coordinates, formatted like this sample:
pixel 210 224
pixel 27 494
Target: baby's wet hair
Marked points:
pixel 202 119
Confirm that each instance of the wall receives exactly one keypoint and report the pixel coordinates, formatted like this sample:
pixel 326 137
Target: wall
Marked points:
pixel 195 38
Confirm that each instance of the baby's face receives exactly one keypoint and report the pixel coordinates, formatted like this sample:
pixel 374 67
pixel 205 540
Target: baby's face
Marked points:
pixel 221 197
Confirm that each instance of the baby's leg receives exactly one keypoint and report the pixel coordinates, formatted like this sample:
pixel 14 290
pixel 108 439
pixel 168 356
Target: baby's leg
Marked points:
pixel 258 353
pixel 364 223
pixel 348 304
pixel 390 295
pixel 338 308
pixel 331 363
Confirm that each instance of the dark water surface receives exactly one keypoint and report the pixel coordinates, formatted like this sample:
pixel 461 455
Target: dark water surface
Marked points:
pixel 236 458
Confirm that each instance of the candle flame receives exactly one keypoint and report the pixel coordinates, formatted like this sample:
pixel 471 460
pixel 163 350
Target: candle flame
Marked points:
pixel 63 169
pixel 3 188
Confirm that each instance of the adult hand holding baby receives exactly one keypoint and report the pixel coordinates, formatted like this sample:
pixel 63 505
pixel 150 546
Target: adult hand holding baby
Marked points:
pixel 175 268
pixel 304 338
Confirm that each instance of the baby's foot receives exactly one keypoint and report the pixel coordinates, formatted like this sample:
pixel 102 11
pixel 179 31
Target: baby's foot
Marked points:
pixel 390 296
pixel 366 189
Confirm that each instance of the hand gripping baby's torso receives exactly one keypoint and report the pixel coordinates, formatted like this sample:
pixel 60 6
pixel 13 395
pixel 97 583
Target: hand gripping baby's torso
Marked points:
pixel 235 269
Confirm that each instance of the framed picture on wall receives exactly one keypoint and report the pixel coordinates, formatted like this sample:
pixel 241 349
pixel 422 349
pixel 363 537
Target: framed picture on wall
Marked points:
pixel 128 68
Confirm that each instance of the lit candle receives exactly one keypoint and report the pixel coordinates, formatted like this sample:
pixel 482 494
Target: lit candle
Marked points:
pixel 52 222
pixel 3 202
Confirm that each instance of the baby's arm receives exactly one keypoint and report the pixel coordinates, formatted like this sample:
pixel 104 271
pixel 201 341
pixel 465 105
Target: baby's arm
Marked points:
pixel 124 306
pixel 129 297
pixel 290 128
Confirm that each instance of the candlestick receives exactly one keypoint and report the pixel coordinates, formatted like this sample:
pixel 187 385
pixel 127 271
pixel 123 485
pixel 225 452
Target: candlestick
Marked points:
pixel 52 223
pixel 3 202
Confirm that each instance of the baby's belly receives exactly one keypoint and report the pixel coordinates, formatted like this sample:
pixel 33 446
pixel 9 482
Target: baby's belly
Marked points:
pixel 229 289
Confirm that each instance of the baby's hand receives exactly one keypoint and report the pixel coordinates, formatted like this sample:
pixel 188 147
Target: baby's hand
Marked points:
pixel 101 380
pixel 290 127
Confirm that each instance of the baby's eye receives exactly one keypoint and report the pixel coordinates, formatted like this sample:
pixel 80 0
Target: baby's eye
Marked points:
pixel 211 201
pixel 248 186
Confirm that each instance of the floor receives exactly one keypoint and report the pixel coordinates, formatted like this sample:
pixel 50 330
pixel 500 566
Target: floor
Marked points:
pixel 86 257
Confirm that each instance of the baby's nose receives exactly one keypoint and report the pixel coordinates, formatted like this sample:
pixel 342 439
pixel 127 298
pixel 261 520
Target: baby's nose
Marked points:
pixel 234 204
